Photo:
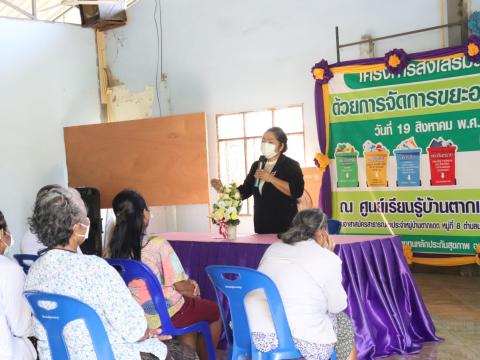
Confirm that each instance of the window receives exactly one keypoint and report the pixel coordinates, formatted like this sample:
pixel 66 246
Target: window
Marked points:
pixel 240 135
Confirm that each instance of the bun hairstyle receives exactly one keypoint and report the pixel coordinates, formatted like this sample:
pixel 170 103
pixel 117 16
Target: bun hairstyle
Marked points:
pixel 304 226
pixel 127 236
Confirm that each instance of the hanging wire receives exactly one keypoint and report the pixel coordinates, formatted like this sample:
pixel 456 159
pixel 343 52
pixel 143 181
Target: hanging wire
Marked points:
pixel 159 60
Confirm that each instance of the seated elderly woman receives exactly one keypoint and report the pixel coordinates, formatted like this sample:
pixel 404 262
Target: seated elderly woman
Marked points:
pixel 60 221
pixel 181 293
pixel 15 314
pixel 308 276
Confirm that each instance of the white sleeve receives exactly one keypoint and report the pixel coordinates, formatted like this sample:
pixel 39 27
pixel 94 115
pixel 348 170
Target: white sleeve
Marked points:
pixel 6 341
pixel 121 310
pixel 16 308
pixel 334 291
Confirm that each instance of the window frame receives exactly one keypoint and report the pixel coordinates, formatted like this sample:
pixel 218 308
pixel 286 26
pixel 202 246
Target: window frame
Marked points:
pixel 245 138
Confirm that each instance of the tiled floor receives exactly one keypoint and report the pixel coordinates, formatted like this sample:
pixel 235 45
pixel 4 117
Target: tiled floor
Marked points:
pixel 454 304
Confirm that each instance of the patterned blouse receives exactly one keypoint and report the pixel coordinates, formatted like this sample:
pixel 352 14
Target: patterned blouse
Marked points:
pixel 90 279
pixel 160 257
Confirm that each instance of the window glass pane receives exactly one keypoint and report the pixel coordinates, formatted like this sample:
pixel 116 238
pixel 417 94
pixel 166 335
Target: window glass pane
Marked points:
pixel 257 122
pixel 289 119
pixel 253 151
pixel 232 161
pixel 230 126
pixel 296 148
pixel 244 210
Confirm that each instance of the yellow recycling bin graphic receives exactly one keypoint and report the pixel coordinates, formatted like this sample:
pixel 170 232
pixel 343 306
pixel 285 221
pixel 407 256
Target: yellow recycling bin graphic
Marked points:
pixel 376 160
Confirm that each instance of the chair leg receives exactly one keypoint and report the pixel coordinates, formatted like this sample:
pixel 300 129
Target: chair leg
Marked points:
pixel 207 336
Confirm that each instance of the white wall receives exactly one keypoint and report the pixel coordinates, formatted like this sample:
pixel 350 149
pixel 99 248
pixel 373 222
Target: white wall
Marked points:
pixel 226 56
pixel 49 80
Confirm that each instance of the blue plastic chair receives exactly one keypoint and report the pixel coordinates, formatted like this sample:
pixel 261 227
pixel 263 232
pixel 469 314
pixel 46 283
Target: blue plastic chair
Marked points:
pixel 25 261
pixel 68 309
pixel 240 342
pixel 132 270
pixel 235 283
pixel 334 226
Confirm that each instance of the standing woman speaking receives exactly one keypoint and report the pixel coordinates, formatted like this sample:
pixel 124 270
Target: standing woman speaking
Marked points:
pixel 276 183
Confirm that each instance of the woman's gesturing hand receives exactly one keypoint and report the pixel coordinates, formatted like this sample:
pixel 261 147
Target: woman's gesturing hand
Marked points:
pixel 216 184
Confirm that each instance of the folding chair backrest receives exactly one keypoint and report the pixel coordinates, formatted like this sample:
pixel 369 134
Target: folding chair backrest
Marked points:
pixel 334 226
pixel 135 270
pixel 65 310
pixel 25 261
pixel 236 282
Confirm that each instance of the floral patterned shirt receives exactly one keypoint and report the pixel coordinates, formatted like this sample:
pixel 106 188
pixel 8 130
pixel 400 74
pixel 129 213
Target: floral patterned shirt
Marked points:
pixel 91 280
pixel 160 257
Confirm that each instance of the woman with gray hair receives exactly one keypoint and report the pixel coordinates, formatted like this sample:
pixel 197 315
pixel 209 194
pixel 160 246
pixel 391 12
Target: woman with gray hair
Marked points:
pixel 60 221
pixel 308 275
pixel 30 243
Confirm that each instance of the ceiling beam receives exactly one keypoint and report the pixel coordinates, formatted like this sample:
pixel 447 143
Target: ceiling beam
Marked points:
pixel 34 9
pixel 16 8
pixel 61 14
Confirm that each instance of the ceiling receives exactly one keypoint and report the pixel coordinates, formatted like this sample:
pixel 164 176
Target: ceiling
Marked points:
pixel 46 10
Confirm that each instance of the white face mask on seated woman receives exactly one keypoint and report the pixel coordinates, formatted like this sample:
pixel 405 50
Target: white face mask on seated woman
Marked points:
pixel 268 150
pixel 8 247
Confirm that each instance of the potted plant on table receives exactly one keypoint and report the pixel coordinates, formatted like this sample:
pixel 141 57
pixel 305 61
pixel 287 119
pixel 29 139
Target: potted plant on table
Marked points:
pixel 226 211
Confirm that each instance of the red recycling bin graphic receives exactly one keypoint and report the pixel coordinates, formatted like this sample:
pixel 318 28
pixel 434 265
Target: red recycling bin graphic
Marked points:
pixel 442 165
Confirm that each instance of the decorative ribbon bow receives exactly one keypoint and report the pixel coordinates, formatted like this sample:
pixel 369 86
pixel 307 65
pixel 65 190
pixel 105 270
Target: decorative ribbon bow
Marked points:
pixel 222 228
pixel 321 161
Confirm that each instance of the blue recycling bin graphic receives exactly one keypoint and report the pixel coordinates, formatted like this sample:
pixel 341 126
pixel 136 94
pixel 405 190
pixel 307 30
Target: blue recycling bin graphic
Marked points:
pixel 408 167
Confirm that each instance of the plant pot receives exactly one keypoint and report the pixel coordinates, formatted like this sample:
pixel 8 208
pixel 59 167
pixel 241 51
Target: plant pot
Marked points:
pixel 231 232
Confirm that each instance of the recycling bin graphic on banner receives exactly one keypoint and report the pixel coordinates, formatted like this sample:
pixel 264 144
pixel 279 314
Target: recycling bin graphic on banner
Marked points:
pixel 442 162
pixel 407 155
pixel 376 162
pixel 347 166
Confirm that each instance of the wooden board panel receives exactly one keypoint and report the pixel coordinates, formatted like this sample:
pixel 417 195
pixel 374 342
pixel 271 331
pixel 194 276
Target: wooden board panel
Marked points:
pixel 164 158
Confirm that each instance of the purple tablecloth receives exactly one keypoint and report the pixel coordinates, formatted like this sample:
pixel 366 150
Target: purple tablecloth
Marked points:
pixel 388 313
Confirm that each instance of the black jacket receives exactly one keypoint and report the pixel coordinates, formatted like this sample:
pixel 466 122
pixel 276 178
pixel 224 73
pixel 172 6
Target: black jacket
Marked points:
pixel 274 211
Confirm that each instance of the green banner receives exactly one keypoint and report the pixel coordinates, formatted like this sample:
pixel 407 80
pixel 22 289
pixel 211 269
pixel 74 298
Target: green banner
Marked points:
pixel 406 153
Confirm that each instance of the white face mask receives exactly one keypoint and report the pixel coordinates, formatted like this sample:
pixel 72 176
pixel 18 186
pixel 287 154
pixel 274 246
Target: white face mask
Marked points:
pixel 8 248
pixel 87 232
pixel 268 150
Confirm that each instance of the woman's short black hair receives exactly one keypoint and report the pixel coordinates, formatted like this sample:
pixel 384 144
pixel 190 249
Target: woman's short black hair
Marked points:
pixel 126 242
pixel 280 136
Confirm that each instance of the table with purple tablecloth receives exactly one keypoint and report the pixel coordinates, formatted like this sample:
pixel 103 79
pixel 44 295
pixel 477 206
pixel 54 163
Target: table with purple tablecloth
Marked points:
pixel 387 310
